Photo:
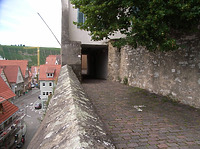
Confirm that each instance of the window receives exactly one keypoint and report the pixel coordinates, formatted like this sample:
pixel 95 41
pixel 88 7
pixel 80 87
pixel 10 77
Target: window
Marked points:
pixel 43 93
pixel 47 93
pixel 50 83
pixel 49 75
pixel 43 84
pixel 80 18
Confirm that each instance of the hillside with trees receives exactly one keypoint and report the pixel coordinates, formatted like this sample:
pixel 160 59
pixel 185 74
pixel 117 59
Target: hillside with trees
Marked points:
pixel 27 53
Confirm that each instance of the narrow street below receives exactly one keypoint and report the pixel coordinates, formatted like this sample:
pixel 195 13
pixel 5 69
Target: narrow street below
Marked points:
pixel 32 116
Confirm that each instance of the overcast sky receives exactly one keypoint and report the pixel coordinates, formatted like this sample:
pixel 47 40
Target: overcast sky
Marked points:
pixel 20 23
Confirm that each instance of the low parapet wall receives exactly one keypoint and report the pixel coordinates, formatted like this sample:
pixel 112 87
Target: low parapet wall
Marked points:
pixel 70 121
pixel 175 74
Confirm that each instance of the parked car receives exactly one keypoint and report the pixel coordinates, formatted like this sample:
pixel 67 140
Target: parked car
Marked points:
pixel 38 106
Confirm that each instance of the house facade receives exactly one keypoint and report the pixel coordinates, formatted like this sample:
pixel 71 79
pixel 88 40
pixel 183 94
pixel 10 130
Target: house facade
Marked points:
pixel 46 88
pixel 78 48
pixel 23 64
pixel 11 122
pixel 15 78
pixel 48 77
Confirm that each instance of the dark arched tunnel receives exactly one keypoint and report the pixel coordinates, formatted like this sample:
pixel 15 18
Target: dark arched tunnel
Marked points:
pixel 94 61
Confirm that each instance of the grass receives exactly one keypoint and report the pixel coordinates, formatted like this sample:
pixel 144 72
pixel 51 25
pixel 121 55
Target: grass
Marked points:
pixel 136 90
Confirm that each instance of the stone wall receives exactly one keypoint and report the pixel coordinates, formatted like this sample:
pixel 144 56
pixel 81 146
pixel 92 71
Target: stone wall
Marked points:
pixel 71 55
pixel 70 50
pixel 175 73
pixel 70 121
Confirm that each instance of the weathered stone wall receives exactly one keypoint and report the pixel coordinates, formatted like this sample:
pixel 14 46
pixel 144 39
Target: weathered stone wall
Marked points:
pixel 175 73
pixel 70 50
pixel 71 55
pixel 70 121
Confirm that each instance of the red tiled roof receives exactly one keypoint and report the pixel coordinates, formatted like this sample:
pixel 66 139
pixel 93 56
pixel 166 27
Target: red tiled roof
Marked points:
pixel 51 60
pixel 2 99
pixel 44 69
pixel 11 73
pixel 5 91
pixel 9 110
pixel 23 64
pixel 50 70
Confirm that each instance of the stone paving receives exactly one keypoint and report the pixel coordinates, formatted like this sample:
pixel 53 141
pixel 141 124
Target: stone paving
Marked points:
pixel 135 118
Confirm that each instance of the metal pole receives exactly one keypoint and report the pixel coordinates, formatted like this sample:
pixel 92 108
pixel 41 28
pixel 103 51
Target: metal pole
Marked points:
pixel 49 28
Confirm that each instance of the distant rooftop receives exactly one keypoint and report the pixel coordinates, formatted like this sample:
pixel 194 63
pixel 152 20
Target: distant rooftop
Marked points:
pixel 5 91
pixel 44 69
pixel 21 63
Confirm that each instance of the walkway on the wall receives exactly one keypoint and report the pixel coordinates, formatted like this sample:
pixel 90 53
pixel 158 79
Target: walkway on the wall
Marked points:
pixel 138 119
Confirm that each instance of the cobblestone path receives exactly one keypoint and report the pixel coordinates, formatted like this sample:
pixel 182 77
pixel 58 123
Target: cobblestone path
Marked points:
pixel 137 119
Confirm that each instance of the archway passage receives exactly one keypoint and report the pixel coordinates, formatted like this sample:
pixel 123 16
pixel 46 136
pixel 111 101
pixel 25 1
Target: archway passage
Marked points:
pixel 94 61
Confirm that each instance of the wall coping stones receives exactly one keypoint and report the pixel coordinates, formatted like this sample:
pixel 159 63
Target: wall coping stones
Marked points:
pixel 70 121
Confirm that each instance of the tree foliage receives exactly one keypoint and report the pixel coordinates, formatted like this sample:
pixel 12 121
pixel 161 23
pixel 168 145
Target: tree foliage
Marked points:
pixel 148 23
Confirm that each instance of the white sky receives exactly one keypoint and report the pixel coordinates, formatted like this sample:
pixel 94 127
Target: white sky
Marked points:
pixel 20 23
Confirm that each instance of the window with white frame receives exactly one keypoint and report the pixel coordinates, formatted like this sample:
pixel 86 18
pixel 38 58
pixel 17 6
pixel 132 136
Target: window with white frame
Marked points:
pixel 43 93
pixel 43 84
pixel 50 83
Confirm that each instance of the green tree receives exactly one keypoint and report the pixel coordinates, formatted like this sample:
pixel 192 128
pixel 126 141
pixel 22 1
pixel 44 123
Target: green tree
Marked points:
pixel 149 23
